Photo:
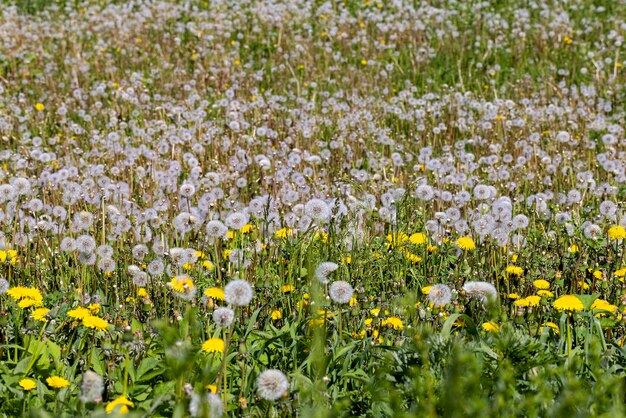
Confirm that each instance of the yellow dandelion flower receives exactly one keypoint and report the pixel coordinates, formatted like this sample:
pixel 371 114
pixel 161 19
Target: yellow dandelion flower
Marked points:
pixel 211 388
pixel 568 303
pixel 418 238
pixel 246 228
pixel 515 270
pixel 214 293
pixel 375 311
pixel 213 345
pixel 426 290
pixel 432 249
pixel 528 301
pixel 94 308
pixel 412 257
pixel 208 265
pixel 541 284
pixel 513 296
pixel 96 323
pixel 582 284
pixel 491 326
pixel 79 313
pixel 552 326
pixel 603 305
pixel 284 233
pixel 40 107
pixel 40 314
pixel 545 293
pixel 28 303
pixel 287 288
pixel 57 382
pixel 393 322
pixel 573 249
pixel 466 243
pixel 276 314
pixel 620 273
pixel 141 292
pixel 182 284
pixel 396 238
pixel 119 405
pixel 28 384
pixel 21 292
pixel 617 232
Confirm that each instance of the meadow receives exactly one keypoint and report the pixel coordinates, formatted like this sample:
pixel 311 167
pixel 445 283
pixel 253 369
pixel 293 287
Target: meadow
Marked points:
pixel 379 208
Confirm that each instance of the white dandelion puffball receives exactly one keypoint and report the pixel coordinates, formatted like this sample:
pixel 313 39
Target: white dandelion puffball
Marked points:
pixel 223 317
pixel 481 290
pixel 238 293
pixel 439 295
pixel 341 292
pixel 272 384
pixel 317 209
pixel 323 270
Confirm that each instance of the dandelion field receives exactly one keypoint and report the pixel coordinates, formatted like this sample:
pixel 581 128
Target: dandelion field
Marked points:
pixel 316 209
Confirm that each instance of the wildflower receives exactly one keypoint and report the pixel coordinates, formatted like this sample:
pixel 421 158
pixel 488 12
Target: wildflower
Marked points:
pixel 223 317
pixel 91 388
pixel 57 382
pixel 214 293
pixel 119 405
pixel 541 284
pixel 553 326
pixel 27 303
pixel 323 270
pixel 28 384
pixel 545 293
pixel 439 295
pixel 40 314
pixel 284 233
pixel 426 290
pixel 375 311
pixel 481 290
pixel 412 257
pixel 513 296
pixel 19 293
pixel 393 322
pixel 211 388
pixel 397 238
pixel 79 313
pixel 341 292
pixel 573 249
pixel 515 270
pixel 272 384
pixel 568 303
pixel 466 243
pixel 620 273
pixel 213 345
pixel 238 292
pixel 183 287
pixel 39 107
pixel 247 228
pixel 491 326
pixel 287 288
pixel 418 238
pixel 95 322
pixel 318 210
pixel 276 314
pixel 617 232
pixel 528 301
pixel 603 305
pixel 213 405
